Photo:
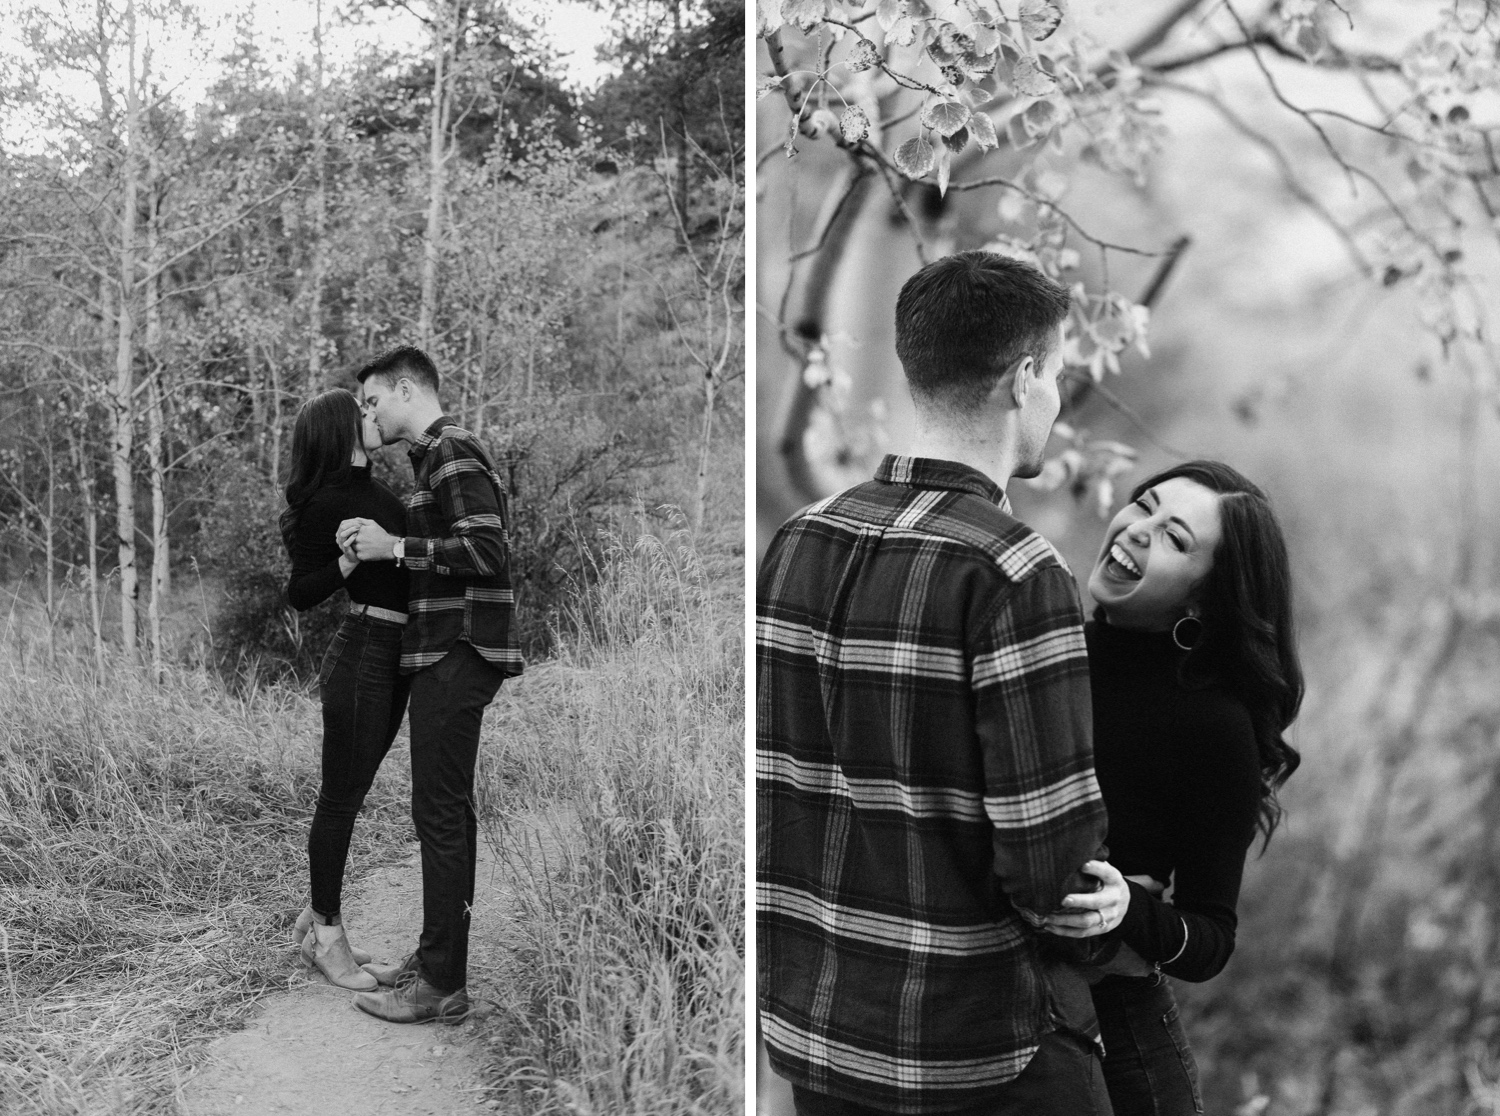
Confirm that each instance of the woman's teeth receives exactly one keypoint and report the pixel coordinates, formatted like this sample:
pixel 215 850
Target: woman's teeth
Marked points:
pixel 1120 557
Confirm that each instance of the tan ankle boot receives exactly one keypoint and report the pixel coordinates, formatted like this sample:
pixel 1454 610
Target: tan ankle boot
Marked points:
pixel 327 949
pixel 304 923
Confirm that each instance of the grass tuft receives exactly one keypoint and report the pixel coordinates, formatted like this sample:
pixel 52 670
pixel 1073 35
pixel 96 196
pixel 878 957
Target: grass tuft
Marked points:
pixel 625 984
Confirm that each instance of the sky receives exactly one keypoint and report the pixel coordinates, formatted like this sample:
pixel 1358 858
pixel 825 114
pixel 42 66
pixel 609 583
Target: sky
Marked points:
pixel 574 28
pixel 284 28
pixel 185 59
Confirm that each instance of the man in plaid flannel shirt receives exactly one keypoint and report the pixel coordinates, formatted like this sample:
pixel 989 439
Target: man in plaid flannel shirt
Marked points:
pixel 925 783
pixel 458 645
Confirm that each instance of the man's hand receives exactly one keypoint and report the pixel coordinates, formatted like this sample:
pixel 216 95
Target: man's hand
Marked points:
pixel 1088 914
pixel 367 540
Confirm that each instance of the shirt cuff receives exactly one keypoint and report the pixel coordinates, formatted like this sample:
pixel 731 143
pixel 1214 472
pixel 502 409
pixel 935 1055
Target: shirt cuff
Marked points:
pixel 417 556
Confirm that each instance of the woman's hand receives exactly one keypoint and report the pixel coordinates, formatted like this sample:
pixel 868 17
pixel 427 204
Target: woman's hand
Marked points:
pixel 371 541
pixel 1089 914
pixel 347 531
pixel 344 537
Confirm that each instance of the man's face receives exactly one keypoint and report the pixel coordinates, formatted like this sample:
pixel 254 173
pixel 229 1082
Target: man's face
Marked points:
pixel 1039 410
pixel 383 405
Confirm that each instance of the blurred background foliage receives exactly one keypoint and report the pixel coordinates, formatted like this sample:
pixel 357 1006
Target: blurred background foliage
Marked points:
pixel 1301 195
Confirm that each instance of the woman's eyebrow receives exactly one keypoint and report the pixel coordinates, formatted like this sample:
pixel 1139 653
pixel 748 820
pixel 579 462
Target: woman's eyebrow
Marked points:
pixel 1183 524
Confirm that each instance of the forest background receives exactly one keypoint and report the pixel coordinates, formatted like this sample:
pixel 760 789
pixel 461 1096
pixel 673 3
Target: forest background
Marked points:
pixel 192 242
pixel 1279 222
pixel 179 276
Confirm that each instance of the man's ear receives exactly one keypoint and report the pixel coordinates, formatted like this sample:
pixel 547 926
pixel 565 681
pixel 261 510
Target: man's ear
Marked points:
pixel 1021 375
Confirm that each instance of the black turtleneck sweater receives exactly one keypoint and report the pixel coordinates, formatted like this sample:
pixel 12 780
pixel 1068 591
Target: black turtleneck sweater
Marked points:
pixel 315 553
pixel 1180 774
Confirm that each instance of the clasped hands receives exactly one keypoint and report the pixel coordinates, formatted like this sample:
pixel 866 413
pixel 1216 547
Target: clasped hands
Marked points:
pixel 364 540
pixel 1091 913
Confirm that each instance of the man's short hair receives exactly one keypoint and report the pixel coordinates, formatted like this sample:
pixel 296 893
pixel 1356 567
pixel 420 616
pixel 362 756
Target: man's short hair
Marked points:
pixel 964 320
pixel 404 360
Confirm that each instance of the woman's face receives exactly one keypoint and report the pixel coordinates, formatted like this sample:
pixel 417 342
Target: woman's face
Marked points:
pixel 368 435
pixel 1156 554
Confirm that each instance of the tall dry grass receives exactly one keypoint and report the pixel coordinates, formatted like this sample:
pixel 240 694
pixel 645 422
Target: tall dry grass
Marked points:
pixel 621 978
pixel 152 857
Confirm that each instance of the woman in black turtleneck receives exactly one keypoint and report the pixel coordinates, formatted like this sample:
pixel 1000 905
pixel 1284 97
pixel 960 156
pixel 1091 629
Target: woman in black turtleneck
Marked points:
pixel 1194 678
pixel 363 694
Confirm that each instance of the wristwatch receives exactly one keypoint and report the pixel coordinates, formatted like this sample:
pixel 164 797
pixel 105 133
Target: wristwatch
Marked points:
pixel 398 548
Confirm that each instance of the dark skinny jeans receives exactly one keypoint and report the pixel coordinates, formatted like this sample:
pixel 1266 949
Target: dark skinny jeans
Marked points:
pixel 363 699
pixel 1148 1064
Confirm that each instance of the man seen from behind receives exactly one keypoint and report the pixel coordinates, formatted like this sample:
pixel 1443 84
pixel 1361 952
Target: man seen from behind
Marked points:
pixel 925 783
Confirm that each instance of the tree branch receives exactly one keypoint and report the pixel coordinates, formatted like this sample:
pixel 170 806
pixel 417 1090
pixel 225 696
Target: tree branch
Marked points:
pixel 1154 35
pixel 1334 59
pixel 1289 177
pixel 1055 208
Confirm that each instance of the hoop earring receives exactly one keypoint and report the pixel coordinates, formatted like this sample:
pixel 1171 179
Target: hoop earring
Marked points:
pixel 1197 635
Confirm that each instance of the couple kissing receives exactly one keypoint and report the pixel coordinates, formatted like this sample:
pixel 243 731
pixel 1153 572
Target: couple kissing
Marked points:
pixel 428 632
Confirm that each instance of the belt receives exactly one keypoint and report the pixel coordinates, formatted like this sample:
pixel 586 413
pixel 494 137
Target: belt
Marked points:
pixel 378 613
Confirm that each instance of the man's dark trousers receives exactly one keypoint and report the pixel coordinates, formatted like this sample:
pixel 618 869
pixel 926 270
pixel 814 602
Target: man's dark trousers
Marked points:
pixel 1064 1078
pixel 446 709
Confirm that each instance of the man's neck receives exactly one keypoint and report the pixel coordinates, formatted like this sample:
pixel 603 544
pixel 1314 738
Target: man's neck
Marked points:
pixel 421 419
pixel 993 456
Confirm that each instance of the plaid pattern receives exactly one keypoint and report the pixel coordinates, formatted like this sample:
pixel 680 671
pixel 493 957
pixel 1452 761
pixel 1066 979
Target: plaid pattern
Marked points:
pixel 924 784
pixel 458 553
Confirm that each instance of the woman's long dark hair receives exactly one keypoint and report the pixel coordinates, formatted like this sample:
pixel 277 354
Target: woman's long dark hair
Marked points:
pixel 1248 644
pixel 328 428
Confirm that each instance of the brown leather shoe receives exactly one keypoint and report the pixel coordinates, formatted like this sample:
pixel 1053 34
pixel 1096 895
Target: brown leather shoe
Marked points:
pixel 393 976
pixel 415 1001
pixel 304 923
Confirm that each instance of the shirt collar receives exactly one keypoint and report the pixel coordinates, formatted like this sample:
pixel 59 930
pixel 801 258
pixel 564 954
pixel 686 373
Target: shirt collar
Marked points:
pixel 930 472
pixel 424 443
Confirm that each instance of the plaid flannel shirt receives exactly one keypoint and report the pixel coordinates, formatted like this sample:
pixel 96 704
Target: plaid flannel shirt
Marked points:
pixel 925 783
pixel 458 553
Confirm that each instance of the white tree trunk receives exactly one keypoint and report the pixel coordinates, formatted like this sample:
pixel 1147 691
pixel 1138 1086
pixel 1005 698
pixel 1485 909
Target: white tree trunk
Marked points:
pixel 161 543
pixel 436 172
pixel 275 419
pixel 83 468
pixel 160 553
pixel 122 390
pixel 51 528
pixel 320 214
pixel 700 501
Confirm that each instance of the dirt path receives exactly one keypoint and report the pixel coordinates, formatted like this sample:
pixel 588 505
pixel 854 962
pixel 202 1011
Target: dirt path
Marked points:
pixel 311 1050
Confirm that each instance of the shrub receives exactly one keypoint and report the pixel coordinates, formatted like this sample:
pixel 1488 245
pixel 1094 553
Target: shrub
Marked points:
pixel 255 630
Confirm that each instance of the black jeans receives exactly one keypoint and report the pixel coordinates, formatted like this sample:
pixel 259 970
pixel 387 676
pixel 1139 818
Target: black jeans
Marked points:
pixel 447 706
pixel 1147 1061
pixel 1062 1079
pixel 363 699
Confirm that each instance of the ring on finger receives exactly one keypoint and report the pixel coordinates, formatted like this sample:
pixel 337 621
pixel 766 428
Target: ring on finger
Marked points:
pixel 1102 919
